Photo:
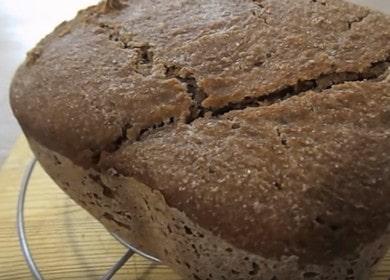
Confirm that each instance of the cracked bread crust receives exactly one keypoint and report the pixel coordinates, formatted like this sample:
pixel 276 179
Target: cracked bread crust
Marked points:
pixel 113 67
pixel 265 122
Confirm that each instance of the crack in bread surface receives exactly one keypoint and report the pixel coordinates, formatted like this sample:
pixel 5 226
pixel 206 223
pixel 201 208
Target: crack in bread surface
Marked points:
pixel 318 84
pixel 358 20
pixel 146 61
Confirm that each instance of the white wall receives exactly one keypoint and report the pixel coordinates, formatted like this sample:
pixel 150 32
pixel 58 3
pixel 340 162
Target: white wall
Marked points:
pixel 22 24
pixel 382 5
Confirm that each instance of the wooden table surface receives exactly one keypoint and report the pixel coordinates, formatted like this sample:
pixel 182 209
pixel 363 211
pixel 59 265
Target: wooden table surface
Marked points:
pixel 67 242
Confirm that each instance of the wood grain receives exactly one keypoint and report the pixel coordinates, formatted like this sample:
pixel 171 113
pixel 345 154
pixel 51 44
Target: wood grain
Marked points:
pixel 66 241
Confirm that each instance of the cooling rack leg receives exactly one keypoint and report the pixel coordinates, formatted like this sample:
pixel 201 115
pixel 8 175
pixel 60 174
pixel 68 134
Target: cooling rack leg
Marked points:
pixel 118 265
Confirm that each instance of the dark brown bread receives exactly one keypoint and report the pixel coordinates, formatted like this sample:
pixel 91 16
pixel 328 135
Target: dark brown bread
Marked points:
pixel 313 174
pixel 266 123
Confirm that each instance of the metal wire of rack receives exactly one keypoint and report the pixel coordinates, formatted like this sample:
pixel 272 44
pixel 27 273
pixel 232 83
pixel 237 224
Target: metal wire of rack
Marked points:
pixel 131 251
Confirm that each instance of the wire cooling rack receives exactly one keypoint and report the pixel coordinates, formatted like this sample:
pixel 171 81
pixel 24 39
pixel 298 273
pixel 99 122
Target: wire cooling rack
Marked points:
pixel 131 251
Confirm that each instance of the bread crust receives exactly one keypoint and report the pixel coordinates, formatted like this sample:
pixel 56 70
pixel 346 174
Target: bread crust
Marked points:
pixel 271 114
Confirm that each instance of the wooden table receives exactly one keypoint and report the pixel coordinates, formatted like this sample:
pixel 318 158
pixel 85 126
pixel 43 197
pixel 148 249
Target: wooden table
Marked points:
pixel 67 242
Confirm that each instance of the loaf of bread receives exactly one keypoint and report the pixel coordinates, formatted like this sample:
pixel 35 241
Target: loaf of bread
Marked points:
pixel 232 139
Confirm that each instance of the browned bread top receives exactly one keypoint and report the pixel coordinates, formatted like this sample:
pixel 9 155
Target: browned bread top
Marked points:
pixel 266 122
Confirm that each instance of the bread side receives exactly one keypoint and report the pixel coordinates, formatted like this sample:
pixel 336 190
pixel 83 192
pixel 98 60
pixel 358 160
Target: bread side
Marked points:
pixel 141 216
